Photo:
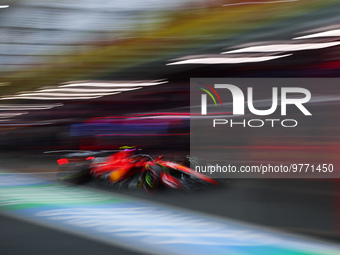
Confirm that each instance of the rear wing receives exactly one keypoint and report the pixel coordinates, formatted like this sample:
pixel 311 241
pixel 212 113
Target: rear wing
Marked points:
pixel 76 156
pixel 80 153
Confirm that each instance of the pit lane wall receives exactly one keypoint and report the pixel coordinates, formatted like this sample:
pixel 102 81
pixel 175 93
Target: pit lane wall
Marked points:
pixel 140 225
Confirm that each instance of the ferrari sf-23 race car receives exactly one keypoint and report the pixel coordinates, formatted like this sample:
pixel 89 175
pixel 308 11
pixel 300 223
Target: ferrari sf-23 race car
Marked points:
pixel 127 169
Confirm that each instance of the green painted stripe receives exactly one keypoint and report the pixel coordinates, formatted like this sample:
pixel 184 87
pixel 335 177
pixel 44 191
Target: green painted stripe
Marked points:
pixel 12 198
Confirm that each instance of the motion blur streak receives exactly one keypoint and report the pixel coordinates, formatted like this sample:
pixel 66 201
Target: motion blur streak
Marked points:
pixel 180 134
pixel 29 107
pixel 50 98
pixel 166 117
pixel 178 114
pixel 5 115
pixel 4 6
pixel 276 147
pixel 147 51
pixel 67 94
pixel 330 33
pixel 269 2
pixel 226 60
pixel 285 47
pixel 114 84
pixel 29 124
pixel 87 90
pixel 162 113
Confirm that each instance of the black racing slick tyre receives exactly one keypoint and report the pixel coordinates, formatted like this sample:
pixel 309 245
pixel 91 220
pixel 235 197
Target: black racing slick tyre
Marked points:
pixel 151 178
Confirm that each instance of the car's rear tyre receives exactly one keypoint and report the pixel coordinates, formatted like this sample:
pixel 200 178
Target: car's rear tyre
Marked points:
pixel 151 178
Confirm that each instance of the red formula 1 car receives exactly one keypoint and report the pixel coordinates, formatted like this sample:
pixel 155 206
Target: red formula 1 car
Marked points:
pixel 126 168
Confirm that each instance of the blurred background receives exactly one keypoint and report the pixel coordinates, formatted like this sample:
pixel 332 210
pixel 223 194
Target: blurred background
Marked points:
pixel 94 75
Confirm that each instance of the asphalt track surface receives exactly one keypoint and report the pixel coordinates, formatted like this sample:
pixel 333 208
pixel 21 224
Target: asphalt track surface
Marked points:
pixel 296 206
pixel 20 237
